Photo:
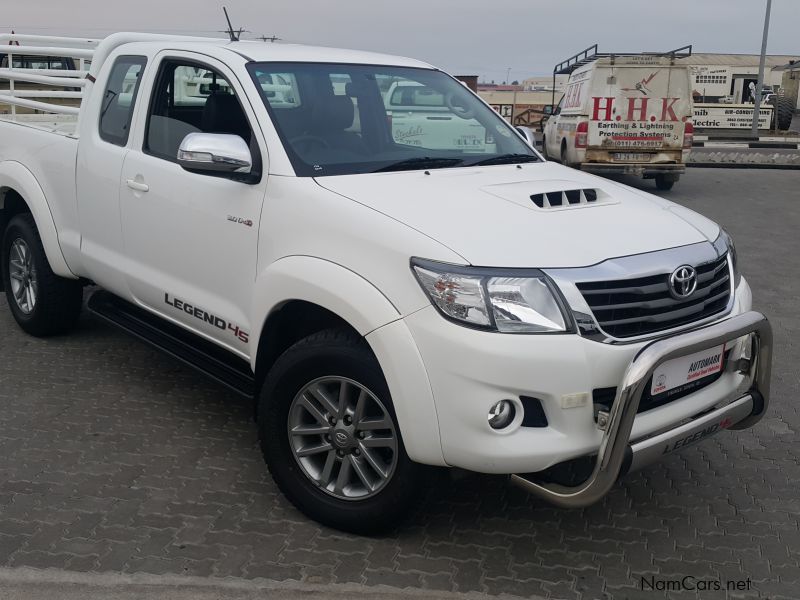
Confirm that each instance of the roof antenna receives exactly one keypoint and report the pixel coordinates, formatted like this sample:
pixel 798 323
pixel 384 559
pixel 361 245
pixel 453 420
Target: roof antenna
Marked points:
pixel 234 35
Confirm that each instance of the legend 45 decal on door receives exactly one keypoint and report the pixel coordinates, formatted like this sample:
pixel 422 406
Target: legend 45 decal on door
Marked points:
pixel 207 317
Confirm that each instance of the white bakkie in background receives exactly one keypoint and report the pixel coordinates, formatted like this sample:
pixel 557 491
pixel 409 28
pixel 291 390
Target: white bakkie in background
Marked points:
pixel 624 113
pixel 254 211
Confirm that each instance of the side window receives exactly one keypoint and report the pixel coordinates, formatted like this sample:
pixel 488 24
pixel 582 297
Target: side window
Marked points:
pixel 190 98
pixel 560 104
pixel 119 99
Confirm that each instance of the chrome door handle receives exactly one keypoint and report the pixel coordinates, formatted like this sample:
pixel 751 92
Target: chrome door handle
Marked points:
pixel 138 185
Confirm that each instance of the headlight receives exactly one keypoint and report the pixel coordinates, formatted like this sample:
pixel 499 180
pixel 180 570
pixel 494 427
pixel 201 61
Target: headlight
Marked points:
pixel 725 243
pixel 505 300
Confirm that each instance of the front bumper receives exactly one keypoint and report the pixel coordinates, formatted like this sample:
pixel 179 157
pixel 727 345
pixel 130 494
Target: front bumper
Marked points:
pixel 469 370
pixel 617 455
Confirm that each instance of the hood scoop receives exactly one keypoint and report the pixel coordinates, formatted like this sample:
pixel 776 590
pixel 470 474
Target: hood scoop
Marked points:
pixel 552 195
pixel 576 198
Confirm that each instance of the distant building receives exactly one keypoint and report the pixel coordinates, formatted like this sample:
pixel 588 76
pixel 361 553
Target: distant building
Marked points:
pixel 471 81
pixel 714 76
pixel 728 76
pixel 545 83
pixel 518 107
pixel 494 87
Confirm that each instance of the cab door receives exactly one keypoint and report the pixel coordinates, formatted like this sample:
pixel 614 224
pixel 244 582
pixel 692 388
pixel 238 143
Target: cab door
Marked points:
pixel 104 143
pixel 191 238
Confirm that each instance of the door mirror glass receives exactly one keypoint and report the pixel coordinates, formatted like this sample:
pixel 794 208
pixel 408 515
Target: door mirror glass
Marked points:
pixel 527 134
pixel 214 152
pixel 548 110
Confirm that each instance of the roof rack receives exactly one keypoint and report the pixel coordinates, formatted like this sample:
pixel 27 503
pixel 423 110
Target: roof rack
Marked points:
pixel 591 54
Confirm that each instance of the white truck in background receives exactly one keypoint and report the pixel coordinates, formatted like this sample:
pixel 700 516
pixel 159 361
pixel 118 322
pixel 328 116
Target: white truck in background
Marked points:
pixel 251 210
pixel 624 113
pixel 420 117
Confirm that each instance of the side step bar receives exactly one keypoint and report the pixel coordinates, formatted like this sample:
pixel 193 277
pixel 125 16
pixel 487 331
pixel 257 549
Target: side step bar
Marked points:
pixel 200 354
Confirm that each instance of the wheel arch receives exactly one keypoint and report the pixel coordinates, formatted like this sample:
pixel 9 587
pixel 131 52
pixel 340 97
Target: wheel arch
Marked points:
pixel 329 292
pixel 300 295
pixel 287 324
pixel 20 192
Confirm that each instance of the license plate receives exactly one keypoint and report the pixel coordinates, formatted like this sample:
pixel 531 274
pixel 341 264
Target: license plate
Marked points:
pixel 679 373
pixel 632 156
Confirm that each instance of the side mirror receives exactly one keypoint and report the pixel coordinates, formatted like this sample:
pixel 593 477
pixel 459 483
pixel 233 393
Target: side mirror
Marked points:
pixel 527 135
pixel 217 152
pixel 548 110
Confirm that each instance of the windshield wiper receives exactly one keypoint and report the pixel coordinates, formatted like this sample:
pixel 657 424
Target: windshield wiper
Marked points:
pixel 425 162
pixel 505 159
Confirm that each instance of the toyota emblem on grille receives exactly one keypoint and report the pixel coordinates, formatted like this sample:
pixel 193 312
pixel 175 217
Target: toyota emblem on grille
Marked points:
pixel 683 282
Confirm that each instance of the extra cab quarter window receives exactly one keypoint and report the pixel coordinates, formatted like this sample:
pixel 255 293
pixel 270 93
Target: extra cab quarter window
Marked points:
pixel 119 99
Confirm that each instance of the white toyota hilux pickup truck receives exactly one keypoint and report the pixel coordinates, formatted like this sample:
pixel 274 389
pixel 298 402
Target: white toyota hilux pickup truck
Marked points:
pixel 245 208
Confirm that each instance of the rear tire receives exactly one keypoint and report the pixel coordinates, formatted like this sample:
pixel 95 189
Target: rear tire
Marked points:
pixel 663 183
pixel 564 157
pixel 42 303
pixel 300 399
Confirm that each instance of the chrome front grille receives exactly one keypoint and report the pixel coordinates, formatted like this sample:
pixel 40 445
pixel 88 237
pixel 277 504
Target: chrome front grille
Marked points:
pixel 627 308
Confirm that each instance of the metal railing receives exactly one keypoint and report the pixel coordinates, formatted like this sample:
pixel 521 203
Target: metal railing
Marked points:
pixel 88 54
pixel 51 84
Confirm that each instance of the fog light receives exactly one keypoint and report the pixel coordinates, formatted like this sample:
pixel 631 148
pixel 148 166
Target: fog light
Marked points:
pixel 502 414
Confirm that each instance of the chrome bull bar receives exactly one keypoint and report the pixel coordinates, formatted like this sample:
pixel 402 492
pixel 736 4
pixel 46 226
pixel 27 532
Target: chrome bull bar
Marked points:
pixel 617 455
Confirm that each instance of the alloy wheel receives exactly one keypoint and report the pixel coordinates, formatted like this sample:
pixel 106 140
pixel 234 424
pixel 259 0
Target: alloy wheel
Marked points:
pixel 343 438
pixel 22 273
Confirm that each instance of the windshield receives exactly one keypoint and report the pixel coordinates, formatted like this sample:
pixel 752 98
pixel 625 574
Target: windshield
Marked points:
pixel 338 119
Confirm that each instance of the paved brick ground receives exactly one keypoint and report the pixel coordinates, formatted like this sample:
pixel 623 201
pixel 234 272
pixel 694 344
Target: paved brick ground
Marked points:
pixel 115 459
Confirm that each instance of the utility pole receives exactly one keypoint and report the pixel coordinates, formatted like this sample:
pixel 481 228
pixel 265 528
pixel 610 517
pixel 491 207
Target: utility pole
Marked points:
pixel 508 74
pixel 760 85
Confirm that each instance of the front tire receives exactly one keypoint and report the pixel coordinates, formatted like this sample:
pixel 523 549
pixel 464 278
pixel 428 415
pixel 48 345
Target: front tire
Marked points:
pixel 330 438
pixel 42 303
